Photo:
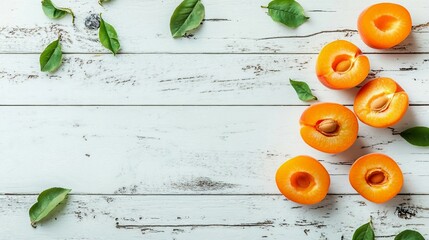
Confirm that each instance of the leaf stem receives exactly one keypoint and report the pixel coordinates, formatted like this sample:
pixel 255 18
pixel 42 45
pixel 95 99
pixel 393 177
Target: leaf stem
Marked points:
pixel 73 16
pixel 264 6
pixel 69 11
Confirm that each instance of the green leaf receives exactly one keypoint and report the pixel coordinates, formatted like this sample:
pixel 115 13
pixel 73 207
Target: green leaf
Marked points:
pixel 54 12
pixel 409 235
pixel 51 58
pixel 364 232
pixel 418 136
pixel 303 90
pixel 108 36
pixel 46 202
pixel 187 16
pixel 288 12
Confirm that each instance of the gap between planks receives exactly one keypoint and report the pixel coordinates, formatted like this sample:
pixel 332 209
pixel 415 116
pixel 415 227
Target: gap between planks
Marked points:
pixel 178 105
pixel 208 53
pixel 194 194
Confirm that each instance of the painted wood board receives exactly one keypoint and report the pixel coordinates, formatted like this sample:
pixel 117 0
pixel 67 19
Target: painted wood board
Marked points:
pixel 190 79
pixel 186 150
pixel 191 171
pixel 240 26
pixel 213 217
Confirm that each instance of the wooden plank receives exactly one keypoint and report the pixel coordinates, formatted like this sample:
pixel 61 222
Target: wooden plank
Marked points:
pixel 231 27
pixel 189 79
pixel 169 150
pixel 222 217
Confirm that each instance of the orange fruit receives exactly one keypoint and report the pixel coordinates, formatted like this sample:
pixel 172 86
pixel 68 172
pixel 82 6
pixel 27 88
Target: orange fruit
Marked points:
pixel 384 25
pixel 376 177
pixel 381 103
pixel 329 127
pixel 341 65
pixel 303 180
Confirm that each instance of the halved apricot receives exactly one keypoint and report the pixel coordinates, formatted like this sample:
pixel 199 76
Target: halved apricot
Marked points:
pixel 384 25
pixel 329 127
pixel 376 177
pixel 381 103
pixel 341 65
pixel 303 180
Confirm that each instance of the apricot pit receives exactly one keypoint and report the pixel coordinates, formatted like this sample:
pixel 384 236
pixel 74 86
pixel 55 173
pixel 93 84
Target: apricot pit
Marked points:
pixel 341 65
pixel 381 103
pixel 329 127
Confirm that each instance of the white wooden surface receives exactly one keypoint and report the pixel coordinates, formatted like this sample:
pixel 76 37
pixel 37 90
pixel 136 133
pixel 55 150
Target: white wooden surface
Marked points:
pixel 180 139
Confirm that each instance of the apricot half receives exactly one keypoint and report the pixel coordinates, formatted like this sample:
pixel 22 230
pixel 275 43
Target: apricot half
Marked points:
pixel 376 177
pixel 329 127
pixel 341 65
pixel 384 25
pixel 303 180
pixel 381 103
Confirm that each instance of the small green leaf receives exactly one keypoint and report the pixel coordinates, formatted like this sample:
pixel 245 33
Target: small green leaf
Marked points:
pixel 187 17
pixel 418 136
pixel 108 36
pixel 409 235
pixel 51 58
pixel 364 232
pixel 54 12
pixel 102 1
pixel 288 12
pixel 303 90
pixel 46 202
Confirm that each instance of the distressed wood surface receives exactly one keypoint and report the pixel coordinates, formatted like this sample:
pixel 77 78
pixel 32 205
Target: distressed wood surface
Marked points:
pixel 163 150
pixel 231 27
pixel 213 217
pixel 141 168
pixel 190 79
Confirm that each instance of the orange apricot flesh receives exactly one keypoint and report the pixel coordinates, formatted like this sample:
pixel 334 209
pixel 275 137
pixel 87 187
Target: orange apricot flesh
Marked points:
pixel 329 127
pixel 376 177
pixel 341 65
pixel 384 25
pixel 381 103
pixel 303 180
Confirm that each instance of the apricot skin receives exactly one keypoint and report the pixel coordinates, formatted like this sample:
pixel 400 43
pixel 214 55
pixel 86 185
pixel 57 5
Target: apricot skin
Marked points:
pixel 381 103
pixel 321 116
pixel 376 177
pixel 341 65
pixel 384 25
pixel 303 180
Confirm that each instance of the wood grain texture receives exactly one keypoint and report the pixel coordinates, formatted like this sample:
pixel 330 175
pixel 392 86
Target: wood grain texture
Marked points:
pixel 230 27
pixel 180 150
pixel 213 217
pixel 157 171
pixel 190 79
